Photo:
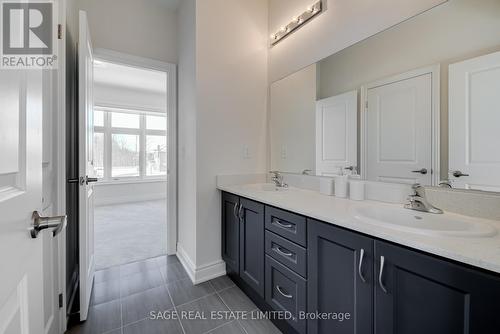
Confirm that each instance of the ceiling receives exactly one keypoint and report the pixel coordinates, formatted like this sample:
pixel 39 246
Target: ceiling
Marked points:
pixel 116 75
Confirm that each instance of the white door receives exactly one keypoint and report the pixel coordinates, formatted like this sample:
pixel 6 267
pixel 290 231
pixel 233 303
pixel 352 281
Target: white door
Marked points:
pixel 398 130
pixel 21 288
pixel 86 168
pixel 474 119
pixel 336 133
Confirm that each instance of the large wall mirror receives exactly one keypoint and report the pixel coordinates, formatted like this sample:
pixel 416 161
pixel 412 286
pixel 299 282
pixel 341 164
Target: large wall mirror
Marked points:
pixel 417 103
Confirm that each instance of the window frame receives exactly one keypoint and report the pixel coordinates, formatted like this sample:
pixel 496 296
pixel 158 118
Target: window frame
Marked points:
pixel 142 132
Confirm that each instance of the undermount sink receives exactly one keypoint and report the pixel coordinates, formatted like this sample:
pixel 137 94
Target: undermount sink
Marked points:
pixel 425 223
pixel 271 187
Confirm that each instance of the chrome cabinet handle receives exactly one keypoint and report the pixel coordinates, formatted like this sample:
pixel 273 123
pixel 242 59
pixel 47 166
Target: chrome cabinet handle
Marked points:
pixel 240 212
pixel 234 210
pixel 458 173
pixel 288 226
pixel 360 266
pixel 58 223
pixel 280 251
pixel 422 171
pixel 283 293
pixel 381 273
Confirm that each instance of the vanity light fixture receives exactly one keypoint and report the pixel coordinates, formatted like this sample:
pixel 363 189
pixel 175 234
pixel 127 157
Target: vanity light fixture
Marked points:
pixel 297 22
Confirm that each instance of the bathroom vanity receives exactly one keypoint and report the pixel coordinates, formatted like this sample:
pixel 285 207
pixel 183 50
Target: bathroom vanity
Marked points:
pixel 319 256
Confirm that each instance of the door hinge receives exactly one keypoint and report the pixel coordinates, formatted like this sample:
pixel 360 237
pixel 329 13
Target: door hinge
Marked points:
pixel 366 105
pixel 60 300
pixel 59 31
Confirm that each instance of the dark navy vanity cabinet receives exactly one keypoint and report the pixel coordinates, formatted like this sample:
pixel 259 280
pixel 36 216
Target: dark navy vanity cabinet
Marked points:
pixel 345 282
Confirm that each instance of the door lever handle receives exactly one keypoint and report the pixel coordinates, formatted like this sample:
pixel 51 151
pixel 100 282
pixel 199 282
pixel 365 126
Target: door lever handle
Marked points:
pixel 58 223
pixel 422 171
pixel 90 179
pixel 458 173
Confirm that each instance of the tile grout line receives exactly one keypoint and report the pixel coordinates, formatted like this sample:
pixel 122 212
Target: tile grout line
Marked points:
pixel 169 295
pixel 237 320
pixel 224 324
pixel 175 309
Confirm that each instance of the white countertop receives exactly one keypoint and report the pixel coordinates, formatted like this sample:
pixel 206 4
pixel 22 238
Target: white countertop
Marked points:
pixel 482 252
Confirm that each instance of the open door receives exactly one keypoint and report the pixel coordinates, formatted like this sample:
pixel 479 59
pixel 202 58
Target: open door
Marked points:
pixel 86 164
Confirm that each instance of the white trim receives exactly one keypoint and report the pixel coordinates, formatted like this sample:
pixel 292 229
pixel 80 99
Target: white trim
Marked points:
pixel 60 161
pixel 127 109
pixel 203 273
pixel 128 199
pixel 129 181
pixel 171 70
pixel 435 71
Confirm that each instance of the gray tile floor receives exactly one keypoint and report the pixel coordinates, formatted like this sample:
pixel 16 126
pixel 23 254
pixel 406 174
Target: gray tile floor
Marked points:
pixel 123 297
pixel 129 232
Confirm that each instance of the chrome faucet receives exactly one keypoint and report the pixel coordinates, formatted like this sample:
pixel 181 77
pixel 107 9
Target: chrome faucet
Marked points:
pixel 418 202
pixel 277 178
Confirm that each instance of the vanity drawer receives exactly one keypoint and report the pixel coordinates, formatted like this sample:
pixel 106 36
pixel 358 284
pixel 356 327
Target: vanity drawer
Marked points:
pixel 286 224
pixel 286 252
pixel 286 291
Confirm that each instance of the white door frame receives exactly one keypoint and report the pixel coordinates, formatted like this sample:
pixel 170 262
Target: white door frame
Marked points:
pixel 60 157
pixel 434 71
pixel 171 70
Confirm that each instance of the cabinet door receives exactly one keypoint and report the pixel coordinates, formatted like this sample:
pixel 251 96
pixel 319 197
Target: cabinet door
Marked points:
pixel 230 232
pixel 419 293
pixel 252 244
pixel 340 280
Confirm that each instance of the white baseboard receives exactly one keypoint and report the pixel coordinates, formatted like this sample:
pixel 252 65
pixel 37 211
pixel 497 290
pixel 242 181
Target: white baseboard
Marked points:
pixel 202 273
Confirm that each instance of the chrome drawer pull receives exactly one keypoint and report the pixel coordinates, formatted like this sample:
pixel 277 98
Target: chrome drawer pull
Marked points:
pixel 234 210
pixel 279 250
pixel 282 293
pixel 360 267
pixel 381 273
pixel 288 226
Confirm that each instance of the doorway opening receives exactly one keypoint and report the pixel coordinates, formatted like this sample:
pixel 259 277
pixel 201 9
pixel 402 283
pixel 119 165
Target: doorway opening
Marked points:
pixel 132 158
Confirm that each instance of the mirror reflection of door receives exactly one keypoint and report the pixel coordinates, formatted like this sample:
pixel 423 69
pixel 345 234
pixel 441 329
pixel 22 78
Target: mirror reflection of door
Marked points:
pixel 474 117
pixel 336 134
pixel 398 129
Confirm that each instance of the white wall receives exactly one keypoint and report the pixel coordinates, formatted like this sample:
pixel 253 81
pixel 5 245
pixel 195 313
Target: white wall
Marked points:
pixel 108 95
pixel 342 24
pixel 232 101
pixel 292 121
pixel 222 113
pixel 127 192
pixel 187 129
pixel 137 27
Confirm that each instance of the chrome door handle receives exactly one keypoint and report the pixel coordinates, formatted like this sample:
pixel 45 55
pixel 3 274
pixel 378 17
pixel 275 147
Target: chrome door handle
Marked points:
pixel 360 266
pixel 422 171
pixel 90 179
pixel 283 293
pixel 381 273
pixel 280 251
pixel 58 223
pixel 287 226
pixel 458 173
